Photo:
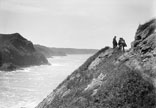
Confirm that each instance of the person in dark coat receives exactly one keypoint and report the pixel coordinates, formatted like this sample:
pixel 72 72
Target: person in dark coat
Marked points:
pixel 122 44
pixel 114 42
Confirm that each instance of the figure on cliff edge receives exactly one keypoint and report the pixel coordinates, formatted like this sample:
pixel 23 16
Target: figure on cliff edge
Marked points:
pixel 122 44
pixel 114 42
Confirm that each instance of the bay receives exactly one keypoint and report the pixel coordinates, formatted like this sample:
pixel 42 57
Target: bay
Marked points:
pixel 27 87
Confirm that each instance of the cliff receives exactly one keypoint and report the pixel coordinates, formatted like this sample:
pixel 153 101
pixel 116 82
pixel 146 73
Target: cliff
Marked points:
pixel 112 78
pixel 51 51
pixel 17 52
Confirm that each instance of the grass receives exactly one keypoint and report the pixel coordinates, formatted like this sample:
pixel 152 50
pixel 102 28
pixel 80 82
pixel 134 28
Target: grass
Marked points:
pixel 127 89
pixel 121 88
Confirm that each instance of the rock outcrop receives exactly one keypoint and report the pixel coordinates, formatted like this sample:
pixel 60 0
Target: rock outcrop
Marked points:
pixel 17 52
pixel 112 78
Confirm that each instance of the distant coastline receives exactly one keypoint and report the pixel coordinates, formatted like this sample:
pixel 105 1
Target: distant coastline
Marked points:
pixel 53 51
pixel 17 52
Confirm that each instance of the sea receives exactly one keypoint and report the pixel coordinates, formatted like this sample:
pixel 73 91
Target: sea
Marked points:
pixel 27 87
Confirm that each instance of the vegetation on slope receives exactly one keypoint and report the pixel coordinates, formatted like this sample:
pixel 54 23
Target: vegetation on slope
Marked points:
pixel 112 78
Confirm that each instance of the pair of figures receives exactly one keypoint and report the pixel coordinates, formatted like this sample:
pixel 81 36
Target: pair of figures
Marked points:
pixel 122 44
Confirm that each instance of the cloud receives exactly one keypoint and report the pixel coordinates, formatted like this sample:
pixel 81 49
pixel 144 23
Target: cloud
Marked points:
pixel 21 6
pixel 91 8
pixel 75 20
pixel 154 9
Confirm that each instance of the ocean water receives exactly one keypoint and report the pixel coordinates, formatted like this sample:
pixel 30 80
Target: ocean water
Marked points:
pixel 27 87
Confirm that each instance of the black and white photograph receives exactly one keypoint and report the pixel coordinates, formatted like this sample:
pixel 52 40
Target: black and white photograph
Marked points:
pixel 77 53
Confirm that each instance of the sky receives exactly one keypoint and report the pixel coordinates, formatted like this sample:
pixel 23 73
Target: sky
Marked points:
pixel 75 23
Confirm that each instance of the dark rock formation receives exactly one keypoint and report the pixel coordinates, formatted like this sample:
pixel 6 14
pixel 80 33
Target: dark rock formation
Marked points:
pixel 112 78
pixel 17 52
pixel 145 37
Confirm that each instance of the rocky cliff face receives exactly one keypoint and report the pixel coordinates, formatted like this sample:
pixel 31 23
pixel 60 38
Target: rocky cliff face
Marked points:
pixel 112 78
pixel 16 52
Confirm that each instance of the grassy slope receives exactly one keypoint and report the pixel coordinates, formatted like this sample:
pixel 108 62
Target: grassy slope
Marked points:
pixel 120 88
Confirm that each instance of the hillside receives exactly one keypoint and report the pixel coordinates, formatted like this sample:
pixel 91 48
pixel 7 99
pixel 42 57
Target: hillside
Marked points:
pixel 112 78
pixel 49 52
pixel 52 51
pixel 17 52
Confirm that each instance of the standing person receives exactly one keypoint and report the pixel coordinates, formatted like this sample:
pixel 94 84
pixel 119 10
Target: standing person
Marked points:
pixel 114 42
pixel 122 44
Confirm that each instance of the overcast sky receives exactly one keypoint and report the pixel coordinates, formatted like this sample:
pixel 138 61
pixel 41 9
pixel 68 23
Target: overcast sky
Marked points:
pixel 75 23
